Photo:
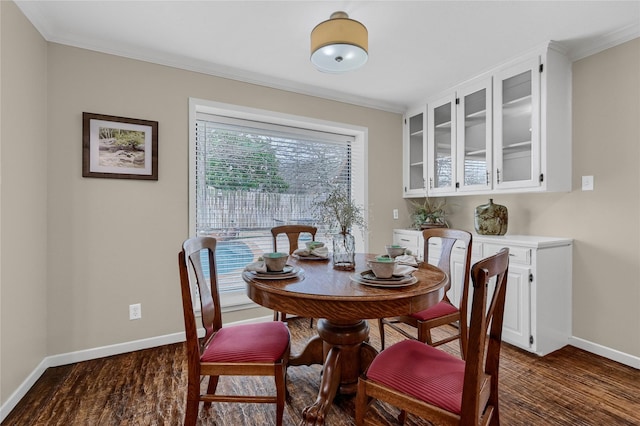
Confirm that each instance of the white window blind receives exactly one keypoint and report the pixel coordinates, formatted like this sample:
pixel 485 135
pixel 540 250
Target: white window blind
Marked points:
pixel 251 176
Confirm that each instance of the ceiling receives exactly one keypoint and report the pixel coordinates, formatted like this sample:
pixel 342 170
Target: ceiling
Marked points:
pixel 416 48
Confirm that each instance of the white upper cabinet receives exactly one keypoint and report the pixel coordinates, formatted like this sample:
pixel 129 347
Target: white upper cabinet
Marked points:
pixel 414 154
pixel 532 123
pixel 459 140
pixel 441 145
pixel 506 131
pixel 474 136
pixel 517 126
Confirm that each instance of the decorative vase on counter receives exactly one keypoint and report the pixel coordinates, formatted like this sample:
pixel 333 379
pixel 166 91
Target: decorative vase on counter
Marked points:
pixel 344 252
pixel 491 219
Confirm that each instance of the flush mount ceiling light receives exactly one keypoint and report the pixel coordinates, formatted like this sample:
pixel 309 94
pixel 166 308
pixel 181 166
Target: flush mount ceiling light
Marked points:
pixel 339 44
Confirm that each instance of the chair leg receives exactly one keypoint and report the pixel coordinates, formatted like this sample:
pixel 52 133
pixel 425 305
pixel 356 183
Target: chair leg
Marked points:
pixel 211 389
pixel 281 392
pixel 402 417
pixel 361 403
pixel 193 402
pixel 310 322
pixel 381 328
pixel 462 354
pixel 191 413
pixel 424 334
pixel 276 315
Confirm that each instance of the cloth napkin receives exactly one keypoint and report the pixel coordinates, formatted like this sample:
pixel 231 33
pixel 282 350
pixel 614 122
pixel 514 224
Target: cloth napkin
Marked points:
pixel 406 259
pixel 403 270
pixel 318 251
pixel 258 266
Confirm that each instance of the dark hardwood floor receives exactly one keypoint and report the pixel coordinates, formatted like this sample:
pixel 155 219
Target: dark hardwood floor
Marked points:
pixel 567 387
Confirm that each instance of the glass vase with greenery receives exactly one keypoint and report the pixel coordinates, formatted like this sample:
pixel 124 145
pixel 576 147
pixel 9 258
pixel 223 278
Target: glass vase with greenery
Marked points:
pixel 340 214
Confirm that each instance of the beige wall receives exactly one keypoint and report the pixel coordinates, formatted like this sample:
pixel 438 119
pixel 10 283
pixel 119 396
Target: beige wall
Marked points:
pixel 23 199
pixel 114 242
pixel 604 223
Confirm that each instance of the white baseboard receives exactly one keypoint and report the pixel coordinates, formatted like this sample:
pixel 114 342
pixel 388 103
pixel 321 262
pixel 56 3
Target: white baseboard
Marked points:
pixel 22 390
pixel 612 354
pixel 95 353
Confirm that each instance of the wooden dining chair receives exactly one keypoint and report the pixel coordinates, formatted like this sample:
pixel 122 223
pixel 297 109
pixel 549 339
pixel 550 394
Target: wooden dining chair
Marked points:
pixel 444 312
pixel 440 387
pixel 293 235
pixel 260 349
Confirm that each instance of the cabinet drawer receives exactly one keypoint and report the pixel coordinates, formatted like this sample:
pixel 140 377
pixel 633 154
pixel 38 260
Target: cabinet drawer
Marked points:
pixel 518 255
pixel 407 240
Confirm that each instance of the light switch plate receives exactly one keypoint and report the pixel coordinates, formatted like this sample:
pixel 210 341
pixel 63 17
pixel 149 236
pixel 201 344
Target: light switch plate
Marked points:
pixel 587 183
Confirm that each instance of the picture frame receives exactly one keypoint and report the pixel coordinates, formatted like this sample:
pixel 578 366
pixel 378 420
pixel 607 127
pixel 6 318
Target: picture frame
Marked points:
pixel 119 147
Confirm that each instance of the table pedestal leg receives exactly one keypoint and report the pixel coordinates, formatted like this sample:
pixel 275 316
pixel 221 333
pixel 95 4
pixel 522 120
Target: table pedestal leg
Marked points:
pixel 342 344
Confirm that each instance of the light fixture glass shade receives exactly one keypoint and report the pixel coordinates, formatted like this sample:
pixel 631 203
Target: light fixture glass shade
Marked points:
pixel 339 44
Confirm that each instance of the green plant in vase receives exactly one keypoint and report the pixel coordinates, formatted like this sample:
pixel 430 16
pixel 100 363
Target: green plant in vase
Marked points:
pixel 429 213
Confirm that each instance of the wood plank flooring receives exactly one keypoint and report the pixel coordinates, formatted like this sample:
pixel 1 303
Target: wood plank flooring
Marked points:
pixel 567 387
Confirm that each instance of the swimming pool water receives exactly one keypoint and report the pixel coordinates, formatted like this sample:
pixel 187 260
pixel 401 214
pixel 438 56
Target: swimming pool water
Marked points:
pixel 230 256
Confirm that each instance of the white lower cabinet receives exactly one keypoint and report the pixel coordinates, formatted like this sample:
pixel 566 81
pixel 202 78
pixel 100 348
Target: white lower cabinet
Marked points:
pixel 537 315
pixel 411 239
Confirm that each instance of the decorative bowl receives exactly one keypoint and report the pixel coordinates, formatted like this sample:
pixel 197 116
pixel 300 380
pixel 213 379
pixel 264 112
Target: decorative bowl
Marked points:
pixel 275 262
pixel 395 250
pixel 382 267
pixel 312 245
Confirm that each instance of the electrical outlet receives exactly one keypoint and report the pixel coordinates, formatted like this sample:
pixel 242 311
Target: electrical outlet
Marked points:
pixel 135 311
pixel 587 183
pixel 395 213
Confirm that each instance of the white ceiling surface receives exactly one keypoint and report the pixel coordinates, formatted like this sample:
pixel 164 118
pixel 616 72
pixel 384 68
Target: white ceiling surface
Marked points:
pixel 416 48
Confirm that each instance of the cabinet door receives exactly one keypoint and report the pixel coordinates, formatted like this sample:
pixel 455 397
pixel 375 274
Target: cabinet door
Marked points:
pixel 457 273
pixel 441 125
pixel 516 326
pixel 517 126
pixel 414 154
pixel 474 123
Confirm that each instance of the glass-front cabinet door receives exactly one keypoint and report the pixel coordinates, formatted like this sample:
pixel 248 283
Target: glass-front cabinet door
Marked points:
pixel 517 126
pixel 414 154
pixel 473 133
pixel 441 143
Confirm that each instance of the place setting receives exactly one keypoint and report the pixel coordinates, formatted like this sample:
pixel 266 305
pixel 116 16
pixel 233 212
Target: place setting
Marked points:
pixel 314 250
pixel 395 269
pixel 272 266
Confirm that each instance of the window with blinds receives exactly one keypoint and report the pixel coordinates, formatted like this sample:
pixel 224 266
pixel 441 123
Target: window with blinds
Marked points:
pixel 251 176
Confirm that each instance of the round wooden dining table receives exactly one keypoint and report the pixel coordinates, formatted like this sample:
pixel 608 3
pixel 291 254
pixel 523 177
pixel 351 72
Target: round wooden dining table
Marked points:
pixel 342 304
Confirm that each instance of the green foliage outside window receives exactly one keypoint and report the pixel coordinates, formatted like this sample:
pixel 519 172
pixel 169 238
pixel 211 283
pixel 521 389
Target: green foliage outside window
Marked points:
pixel 256 169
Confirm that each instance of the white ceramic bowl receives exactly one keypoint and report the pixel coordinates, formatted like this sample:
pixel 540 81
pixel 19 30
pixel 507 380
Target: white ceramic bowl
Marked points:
pixel 395 250
pixel 312 245
pixel 275 261
pixel 382 268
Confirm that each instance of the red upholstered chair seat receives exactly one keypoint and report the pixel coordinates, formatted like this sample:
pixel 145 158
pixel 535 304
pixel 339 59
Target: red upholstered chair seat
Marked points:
pixel 262 342
pixel 421 371
pixel 441 309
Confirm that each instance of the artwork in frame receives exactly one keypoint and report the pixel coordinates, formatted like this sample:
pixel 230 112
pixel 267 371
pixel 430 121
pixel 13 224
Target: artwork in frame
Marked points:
pixel 119 147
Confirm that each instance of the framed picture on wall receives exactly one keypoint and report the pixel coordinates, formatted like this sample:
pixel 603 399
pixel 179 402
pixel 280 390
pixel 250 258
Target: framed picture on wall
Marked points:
pixel 119 147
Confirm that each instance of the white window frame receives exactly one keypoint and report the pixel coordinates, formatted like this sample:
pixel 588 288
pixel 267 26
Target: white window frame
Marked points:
pixel 237 300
